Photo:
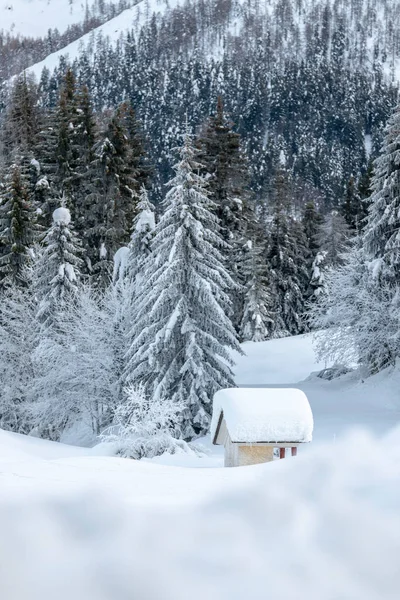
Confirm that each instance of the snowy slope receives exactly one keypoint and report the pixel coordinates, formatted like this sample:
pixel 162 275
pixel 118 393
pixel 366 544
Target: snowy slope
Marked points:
pixel 302 14
pixel 113 29
pixel 322 526
pixel 78 524
pixel 33 18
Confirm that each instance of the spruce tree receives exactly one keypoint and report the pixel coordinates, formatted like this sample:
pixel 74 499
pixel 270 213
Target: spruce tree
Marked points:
pixel 311 224
pixel 354 208
pixel 380 238
pixel 57 268
pixel 334 237
pixel 141 238
pixel 226 169
pixel 287 261
pixel 182 332
pixel 225 166
pixel 257 322
pixel 17 227
pixel 22 117
pixel 114 196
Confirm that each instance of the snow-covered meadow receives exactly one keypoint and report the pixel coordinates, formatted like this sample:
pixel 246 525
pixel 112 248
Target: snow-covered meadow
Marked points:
pixel 78 524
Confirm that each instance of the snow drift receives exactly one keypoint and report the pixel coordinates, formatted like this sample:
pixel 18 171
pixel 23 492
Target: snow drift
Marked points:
pixel 324 526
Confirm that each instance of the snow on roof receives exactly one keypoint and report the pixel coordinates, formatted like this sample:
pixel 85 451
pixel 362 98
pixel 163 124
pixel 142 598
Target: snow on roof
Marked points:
pixel 263 415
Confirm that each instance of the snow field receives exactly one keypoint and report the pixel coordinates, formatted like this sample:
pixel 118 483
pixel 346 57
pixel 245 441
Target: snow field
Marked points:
pixel 325 525
pixel 76 524
pixel 33 18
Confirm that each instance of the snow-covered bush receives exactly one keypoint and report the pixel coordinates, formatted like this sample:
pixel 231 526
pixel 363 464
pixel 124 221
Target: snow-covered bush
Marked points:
pixel 358 318
pixel 144 428
pixel 75 364
pixel 18 338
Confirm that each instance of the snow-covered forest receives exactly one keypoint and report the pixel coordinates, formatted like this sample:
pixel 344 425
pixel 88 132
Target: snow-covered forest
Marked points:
pixel 160 204
pixel 110 292
pixel 198 195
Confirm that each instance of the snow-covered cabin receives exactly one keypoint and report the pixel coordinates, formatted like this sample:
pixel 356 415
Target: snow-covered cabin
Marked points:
pixel 251 422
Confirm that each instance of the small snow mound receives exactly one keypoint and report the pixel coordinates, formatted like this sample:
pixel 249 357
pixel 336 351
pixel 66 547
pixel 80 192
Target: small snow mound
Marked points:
pixel 62 215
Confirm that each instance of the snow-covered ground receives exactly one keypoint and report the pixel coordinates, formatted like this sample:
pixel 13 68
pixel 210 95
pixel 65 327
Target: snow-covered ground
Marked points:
pixel 77 524
pixel 33 18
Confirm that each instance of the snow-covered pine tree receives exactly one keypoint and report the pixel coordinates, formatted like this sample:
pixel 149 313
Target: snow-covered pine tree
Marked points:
pixel 334 237
pixel 225 167
pixel 67 149
pixel 113 198
pixel 137 161
pixel 18 339
pixel 226 170
pixel 357 318
pixel 47 188
pixel 57 268
pixel 257 322
pixel 22 117
pixel 287 259
pixel 77 380
pixel 381 240
pixel 76 134
pixel 17 227
pixel 141 238
pixel 182 333
pixel 317 281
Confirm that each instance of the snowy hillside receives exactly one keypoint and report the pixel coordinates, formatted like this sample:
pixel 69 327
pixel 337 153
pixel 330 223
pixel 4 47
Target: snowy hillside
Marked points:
pixel 369 24
pixel 79 525
pixel 33 18
pixel 135 16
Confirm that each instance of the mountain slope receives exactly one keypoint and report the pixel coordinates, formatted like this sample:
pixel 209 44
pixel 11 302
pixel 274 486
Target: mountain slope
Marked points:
pixel 33 18
pixel 112 30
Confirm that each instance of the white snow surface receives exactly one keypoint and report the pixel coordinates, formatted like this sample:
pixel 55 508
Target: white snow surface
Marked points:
pixel 146 221
pixel 33 18
pixel 263 415
pixel 120 263
pixel 62 215
pixel 76 523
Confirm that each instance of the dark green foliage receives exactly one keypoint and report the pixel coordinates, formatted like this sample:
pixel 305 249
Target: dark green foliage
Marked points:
pixel 287 256
pixel 17 228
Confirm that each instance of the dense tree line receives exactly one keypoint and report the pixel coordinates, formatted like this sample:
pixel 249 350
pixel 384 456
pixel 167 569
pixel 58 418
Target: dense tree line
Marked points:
pixel 110 296
pixel 129 298
pixel 321 96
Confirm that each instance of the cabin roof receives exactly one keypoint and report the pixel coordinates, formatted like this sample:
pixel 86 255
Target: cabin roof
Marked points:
pixel 262 415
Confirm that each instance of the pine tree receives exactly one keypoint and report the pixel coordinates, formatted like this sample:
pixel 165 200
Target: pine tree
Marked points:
pixel 114 196
pixel 334 237
pixel 311 224
pixel 354 208
pixel 47 188
pixel 138 159
pixel 22 117
pixel 141 238
pixel 257 322
pixel 58 268
pixel 18 339
pixel 381 239
pixel 226 170
pixel 225 166
pixel 67 148
pixel 182 330
pixel 17 223
pixel 287 260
